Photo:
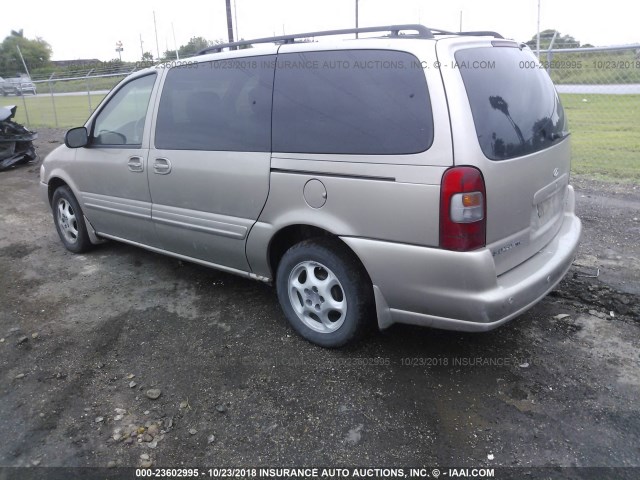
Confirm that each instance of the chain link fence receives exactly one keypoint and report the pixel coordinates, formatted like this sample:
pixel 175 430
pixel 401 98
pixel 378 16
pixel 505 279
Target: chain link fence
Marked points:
pixel 600 92
pixel 599 88
pixel 65 100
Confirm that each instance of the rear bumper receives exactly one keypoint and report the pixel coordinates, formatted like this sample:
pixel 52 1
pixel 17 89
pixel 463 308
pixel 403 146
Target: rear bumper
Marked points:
pixel 460 290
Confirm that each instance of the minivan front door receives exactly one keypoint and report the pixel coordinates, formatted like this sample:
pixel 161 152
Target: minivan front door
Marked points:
pixel 210 162
pixel 111 170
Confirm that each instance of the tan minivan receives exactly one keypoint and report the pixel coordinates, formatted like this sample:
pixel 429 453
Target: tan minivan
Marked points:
pixel 418 177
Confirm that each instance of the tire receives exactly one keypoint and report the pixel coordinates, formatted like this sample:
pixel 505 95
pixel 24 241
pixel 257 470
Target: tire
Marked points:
pixel 69 221
pixel 325 292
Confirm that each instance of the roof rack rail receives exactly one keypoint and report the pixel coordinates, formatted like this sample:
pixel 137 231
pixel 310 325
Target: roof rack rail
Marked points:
pixel 438 31
pixel 481 33
pixel 476 33
pixel 422 32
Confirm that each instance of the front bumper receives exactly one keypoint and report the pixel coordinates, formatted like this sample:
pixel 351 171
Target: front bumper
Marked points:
pixel 460 290
pixel 44 193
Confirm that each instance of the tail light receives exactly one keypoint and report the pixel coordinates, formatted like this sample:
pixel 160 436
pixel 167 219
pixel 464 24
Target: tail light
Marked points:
pixel 463 208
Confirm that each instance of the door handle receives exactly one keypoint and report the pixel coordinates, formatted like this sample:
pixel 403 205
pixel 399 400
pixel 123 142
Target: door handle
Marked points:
pixel 135 164
pixel 162 166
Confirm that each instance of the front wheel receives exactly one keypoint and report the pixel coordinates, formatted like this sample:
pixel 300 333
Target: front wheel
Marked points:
pixel 325 292
pixel 69 221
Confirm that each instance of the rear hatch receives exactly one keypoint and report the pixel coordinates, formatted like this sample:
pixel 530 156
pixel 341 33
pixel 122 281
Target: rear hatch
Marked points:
pixel 507 120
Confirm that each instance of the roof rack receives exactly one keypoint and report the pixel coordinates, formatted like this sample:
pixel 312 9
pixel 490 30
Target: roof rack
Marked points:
pixel 394 30
pixel 481 33
pixel 475 33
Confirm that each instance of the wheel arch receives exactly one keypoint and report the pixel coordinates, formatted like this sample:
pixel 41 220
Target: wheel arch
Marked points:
pixel 288 236
pixel 57 181
pixel 53 184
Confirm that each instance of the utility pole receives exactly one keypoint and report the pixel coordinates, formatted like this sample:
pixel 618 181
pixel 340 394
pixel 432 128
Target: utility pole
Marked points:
pixel 235 19
pixel 175 45
pixel 538 34
pixel 229 21
pixel 23 62
pixel 460 21
pixel 141 47
pixel 155 26
pixel 357 19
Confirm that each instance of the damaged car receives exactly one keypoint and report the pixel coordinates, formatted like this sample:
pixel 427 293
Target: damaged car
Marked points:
pixel 16 141
pixel 17 86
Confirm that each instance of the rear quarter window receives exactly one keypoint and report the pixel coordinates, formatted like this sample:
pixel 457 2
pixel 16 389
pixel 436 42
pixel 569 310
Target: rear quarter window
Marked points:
pixel 515 107
pixel 372 102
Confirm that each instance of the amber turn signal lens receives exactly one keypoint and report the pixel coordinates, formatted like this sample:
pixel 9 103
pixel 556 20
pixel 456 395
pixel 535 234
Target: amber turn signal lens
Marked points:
pixel 473 199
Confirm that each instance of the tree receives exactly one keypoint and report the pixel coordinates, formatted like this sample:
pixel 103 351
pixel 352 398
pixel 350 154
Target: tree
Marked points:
pixel 36 53
pixel 193 46
pixel 561 41
pixel 147 57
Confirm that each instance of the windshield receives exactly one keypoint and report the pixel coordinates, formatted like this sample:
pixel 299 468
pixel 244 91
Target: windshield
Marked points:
pixel 515 107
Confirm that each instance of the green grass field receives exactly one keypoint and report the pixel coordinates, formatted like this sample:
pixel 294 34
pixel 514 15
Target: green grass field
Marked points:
pixel 605 132
pixel 71 111
pixel 96 83
pixel 605 129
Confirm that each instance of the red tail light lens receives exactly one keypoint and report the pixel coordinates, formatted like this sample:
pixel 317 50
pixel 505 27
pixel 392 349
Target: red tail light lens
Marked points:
pixel 463 207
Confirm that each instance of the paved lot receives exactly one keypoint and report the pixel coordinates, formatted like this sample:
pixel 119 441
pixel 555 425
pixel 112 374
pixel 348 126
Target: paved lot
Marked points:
pixel 83 336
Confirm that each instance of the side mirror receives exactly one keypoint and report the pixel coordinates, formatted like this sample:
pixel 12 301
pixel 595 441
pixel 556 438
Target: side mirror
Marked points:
pixel 76 137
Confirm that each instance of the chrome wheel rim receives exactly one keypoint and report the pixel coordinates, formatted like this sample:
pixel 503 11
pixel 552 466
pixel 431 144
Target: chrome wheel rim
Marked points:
pixel 317 297
pixel 67 221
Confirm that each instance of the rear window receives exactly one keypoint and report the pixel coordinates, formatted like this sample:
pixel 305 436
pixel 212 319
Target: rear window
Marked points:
pixel 515 107
pixel 351 102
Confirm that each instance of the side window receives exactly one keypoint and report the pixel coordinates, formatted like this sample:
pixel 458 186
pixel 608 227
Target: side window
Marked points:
pixel 121 121
pixel 369 102
pixel 224 105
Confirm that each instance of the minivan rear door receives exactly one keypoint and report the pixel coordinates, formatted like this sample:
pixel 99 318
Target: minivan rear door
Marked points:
pixel 507 120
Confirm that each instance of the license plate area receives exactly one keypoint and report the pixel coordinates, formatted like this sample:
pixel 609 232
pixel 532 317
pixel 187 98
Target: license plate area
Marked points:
pixel 545 212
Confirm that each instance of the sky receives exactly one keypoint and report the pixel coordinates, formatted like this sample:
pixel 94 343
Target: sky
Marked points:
pixel 80 29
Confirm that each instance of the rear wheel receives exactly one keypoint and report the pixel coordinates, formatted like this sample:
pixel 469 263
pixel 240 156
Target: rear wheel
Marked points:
pixel 325 292
pixel 69 221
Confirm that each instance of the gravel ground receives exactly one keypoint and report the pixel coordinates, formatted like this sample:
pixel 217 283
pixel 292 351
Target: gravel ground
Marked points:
pixel 86 340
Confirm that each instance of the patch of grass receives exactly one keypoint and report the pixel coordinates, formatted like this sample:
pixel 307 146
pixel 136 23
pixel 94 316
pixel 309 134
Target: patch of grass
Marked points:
pixel 96 83
pixel 605 133
pixel 71 110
